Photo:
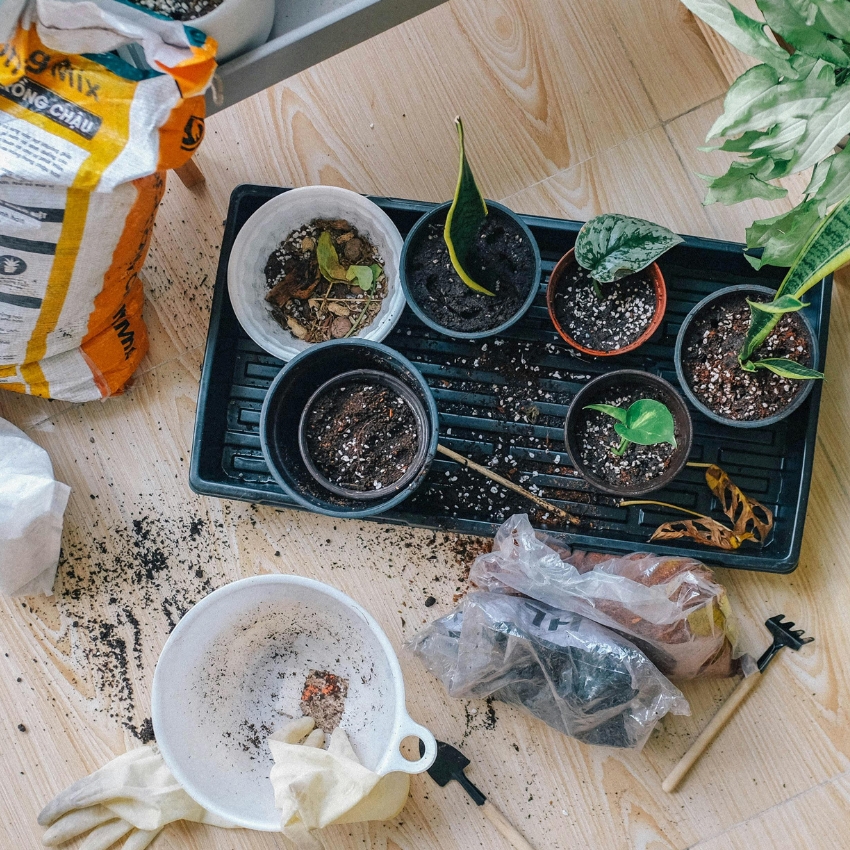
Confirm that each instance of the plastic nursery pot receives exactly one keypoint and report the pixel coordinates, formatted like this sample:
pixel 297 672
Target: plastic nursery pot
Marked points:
pixel 371 377
pixel 237 26
pixel 414 240
pixel 707 303
pixel 291 392
pixel 556 280
pixel 595 392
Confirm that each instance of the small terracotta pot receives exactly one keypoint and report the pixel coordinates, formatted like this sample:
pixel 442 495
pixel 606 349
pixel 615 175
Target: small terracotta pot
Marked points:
pixel 557 276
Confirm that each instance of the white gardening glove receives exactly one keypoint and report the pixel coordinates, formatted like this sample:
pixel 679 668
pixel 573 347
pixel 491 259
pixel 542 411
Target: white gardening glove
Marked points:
pixel 132 797
pixel 314 787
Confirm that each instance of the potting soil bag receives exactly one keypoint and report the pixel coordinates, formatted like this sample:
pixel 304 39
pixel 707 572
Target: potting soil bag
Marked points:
pixel 575 675
pixel 85 139
pixel 672 608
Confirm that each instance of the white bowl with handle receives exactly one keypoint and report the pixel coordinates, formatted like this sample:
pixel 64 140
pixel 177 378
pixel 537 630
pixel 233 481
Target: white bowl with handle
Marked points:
pixel 233 671
pixel 271 224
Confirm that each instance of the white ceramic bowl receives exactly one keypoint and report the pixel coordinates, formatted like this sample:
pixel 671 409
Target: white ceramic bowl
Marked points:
pixel 237 25
pixel 271 224
pixel 233 670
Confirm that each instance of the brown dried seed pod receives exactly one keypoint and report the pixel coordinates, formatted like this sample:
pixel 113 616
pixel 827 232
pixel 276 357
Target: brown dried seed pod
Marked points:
pixel 340 327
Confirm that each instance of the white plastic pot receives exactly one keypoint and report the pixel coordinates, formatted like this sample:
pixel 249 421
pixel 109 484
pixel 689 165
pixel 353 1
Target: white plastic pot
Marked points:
pixel 271 224
pixel 237 25
pixel 240 658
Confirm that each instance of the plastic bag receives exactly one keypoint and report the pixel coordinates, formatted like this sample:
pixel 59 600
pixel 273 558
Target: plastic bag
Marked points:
pixel 671 608
pixel 566 670
pixel 85 139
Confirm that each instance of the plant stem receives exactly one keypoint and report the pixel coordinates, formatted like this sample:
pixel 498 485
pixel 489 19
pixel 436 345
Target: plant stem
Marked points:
pixel 624 503
pixel 597 289
pixel 621 449
pixel 360 317
pixel 488 473
pixel 696 465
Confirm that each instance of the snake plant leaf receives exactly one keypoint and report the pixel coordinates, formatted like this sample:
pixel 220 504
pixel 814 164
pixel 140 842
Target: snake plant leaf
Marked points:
pixel 786 368
pixel 648 422
pixel 743 32
pixel 466 215
pixel 617 413
pixel 786 22
pixel 363 276
pixel 326 254
pixel 783 304
pixel 612 246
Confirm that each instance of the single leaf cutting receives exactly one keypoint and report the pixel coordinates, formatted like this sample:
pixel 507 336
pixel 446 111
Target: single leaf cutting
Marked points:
pixel 645 422
pixel 466 215
pixel 328 258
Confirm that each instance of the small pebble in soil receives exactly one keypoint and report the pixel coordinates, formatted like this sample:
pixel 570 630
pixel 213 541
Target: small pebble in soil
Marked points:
pixel 180 10
pixel 597 441
pixel 710 361
pixel 430 601
pixel 616 320
pixel 21 727
pixel 362 436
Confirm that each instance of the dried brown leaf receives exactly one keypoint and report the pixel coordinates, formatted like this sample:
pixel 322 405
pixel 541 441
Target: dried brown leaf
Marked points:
pixel 751 520
pixel 704 530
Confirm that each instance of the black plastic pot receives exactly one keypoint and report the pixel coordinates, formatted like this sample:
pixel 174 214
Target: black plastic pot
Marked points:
pixel 627 379
pixel 372 377
pixel 747 289
pixel 411 243
pixel 294 388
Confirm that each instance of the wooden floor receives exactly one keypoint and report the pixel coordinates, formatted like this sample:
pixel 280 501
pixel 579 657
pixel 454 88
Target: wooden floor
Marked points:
pixel 572 108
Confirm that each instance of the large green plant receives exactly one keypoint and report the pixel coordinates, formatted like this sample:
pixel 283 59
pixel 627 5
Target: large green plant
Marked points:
pixel 784 116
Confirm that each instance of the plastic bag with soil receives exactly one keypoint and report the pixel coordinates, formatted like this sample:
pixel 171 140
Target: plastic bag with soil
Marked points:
pixel 571 673
pixel 671 608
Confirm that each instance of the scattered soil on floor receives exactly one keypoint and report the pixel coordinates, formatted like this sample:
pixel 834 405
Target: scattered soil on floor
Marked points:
pixel 180 10
pixel 362 436
pixel 710 361
pixel 596 440
pixel 308 305
pixel 612 322
pixel 323 699
pixel 501 260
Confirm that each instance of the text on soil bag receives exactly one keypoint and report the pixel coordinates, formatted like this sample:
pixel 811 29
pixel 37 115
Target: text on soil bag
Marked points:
pixel 37 98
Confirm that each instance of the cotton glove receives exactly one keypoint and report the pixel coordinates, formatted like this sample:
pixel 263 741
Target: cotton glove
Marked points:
pixel 314 787
pixel 133 798
pixel 32 504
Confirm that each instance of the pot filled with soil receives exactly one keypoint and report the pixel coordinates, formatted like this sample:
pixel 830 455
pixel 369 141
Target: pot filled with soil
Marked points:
pixel 710 372
pixel 628 314
pixel 349 428
pixel 312 265
pixel 628 432
pixel 237 25
pixel 363 434
pixel 504 259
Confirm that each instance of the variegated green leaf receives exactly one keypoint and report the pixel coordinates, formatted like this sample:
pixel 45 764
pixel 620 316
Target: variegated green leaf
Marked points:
pixel 648 422
pixel 743 32
pixel 833 18
pixel 612 246
pixel 466 215
pixel 801 34
pixel 617 413
pixel 784 235
pixel 787 368
pixel 783 304
pixel 742 182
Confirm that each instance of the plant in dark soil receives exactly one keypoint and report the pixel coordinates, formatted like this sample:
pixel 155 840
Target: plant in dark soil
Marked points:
pixel 645 422
pixel 326 281
pixel 613 246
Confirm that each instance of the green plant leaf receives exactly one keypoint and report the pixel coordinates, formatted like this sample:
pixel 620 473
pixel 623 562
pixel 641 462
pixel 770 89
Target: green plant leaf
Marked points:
pixel 617 413
pixel 328 258
pixel 363 276
pixel 787 368
pixel 833 18
pixel 801 34
pixel 377 271
pixel 743 182
pixel 743 32
pixel 648 422
pixel 784 304
pixel 612 246
pixel 784 235
pixel 466 215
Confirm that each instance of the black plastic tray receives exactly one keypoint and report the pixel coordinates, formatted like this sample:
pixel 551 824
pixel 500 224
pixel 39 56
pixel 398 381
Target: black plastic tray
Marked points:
pixel 482 404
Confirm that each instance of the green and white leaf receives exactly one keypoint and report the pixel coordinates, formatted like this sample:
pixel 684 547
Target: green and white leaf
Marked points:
pixel 743 182
pixel 612 246
pixel 363 276
pixel 617 413
pixel 787 368
pixel 328 259
pixel 648 422
pixel 783 304
pixel 784 235
pixel 743 32
pixel 466 215
pixel 786 21
pixel 833 17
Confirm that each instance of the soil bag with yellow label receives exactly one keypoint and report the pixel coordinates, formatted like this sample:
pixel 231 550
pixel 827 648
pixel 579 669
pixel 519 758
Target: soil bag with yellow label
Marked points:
pixel 85 139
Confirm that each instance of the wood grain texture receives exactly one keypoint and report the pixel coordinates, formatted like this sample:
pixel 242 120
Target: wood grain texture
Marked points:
pixel 570 112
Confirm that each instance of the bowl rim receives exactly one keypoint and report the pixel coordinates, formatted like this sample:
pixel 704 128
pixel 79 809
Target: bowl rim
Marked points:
pixel 394 298
pixel 414 231
pixel 405 726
